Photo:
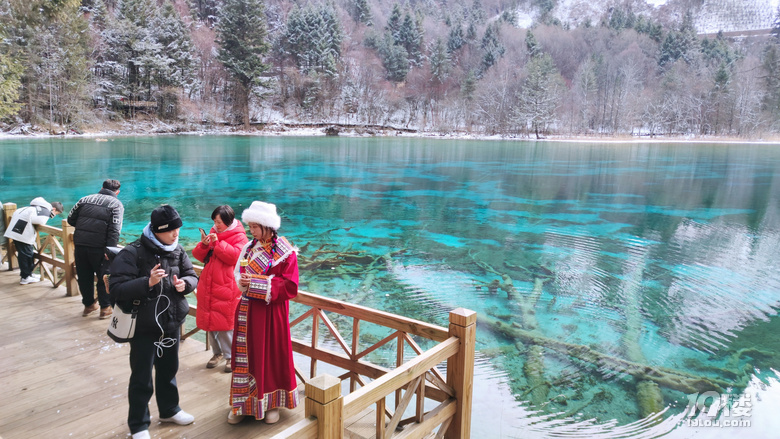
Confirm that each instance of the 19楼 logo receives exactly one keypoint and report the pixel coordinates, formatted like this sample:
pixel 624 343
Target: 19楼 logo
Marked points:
pixel 709 409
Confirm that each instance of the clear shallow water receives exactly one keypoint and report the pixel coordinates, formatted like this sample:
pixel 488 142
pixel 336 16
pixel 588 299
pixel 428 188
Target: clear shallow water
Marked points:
pixel 660 254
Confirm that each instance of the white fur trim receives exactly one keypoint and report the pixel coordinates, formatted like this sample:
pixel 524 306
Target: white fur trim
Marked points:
pixel 263 214
pixel 268 292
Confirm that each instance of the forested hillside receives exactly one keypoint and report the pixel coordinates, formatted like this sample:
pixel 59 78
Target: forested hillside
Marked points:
pixel 518 68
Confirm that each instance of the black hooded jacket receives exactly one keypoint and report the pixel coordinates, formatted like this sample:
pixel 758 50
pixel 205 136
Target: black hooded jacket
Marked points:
pixel 97 219
pixel 130 281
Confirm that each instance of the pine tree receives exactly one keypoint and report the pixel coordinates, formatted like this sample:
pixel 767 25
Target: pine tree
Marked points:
pixel 440 61
pixel 770 64
pixel 491 46
pixel 10 82
pixel 469 86
pixel 395 60
pixel 56 62
pixel 177 66
pixel 132 55
pixel 477 12
pixel 531 45
pixel 679 44
pixel 717 51
pixel 410 37
pixel 242 37
pixel 206 10
pixel 360 11
pixel 171 32
pixel 313 39
pixel 471 33
pixel 394 22
pixel 540 95
pixel 98 14
pixel 455 38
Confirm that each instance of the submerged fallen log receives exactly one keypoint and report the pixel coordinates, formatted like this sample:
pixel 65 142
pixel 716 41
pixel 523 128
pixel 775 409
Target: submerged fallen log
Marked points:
pixel 534 363
pixel 648 394
pixel 664 377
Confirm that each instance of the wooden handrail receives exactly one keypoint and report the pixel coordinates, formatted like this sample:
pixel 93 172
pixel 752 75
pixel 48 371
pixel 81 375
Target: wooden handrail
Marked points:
pixel 411 326
pixel 396 379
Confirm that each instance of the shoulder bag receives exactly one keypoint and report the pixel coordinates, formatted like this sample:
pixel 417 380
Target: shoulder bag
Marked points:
pixel 121 327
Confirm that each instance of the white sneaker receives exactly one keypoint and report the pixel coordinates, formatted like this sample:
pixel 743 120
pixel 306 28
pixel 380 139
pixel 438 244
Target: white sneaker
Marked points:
pixel 181 418
pixel 28 280
pixel 142 435
pixel 36 276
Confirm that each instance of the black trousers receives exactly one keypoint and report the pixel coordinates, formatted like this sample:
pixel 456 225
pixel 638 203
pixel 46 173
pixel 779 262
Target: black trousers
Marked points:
pixel 143 357
pixel 89 263
pixel 25 254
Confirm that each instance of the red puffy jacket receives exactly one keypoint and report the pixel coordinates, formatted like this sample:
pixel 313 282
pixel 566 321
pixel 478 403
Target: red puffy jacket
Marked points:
pixel 218 294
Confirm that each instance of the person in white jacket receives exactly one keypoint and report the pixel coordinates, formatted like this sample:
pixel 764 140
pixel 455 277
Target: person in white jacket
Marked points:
pixel 22 230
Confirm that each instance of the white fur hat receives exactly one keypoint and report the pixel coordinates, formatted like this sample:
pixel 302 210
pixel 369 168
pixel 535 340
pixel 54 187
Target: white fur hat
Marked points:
pixel 263 214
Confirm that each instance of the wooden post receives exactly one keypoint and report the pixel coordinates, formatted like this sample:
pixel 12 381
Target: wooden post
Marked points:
pixel 68 254
pixel 8 211
pixel 460 370
pixel 324 402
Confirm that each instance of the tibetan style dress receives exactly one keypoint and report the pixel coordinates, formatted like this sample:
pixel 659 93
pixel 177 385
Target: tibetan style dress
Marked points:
pixel 263 371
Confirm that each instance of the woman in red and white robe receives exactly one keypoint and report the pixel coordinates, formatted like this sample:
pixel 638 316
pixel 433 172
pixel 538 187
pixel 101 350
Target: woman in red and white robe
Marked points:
pixel 267 273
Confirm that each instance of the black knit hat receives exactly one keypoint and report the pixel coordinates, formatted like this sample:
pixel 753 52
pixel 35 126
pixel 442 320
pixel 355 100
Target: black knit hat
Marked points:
pixel 164 219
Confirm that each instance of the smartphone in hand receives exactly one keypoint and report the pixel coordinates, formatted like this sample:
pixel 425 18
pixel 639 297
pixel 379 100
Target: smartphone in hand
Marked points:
pixel 202 233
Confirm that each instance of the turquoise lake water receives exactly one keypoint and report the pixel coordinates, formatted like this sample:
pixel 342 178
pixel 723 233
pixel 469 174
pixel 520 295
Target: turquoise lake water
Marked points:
pixel 658 255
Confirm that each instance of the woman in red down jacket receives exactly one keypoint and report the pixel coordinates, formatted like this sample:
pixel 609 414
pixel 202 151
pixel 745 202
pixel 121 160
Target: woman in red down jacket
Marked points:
pixel 218 294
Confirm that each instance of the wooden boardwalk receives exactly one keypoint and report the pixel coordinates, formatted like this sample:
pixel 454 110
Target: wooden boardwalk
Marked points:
pixel 62 377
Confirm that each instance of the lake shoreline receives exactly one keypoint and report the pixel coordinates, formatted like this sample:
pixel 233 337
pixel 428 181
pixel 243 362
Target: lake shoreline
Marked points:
pixel 145 129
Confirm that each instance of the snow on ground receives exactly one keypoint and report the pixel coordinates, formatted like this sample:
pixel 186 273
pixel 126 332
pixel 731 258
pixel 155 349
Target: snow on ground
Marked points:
pixel 712 16
pixel 735 15
pixel 656 3
pixel 281 130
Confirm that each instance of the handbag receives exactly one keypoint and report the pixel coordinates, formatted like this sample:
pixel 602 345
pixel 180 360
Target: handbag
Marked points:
pixel 121 327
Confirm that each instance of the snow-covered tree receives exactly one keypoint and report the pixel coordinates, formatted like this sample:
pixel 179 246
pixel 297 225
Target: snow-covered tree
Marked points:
pixel 394 21
pixel 540 95
pixel 145 55
pixel 440 61
pixel 492 48
pixel 51 40
pixel 531 45
pixel 410 36
pixel 455 39
pixel 172 34
pixel 177 66
pixel 313 39
pixel 771 68
pixel 395 59
pixel 360 11
pixel 679 44
pixel 206 10
pixel 242 37
pixel 10 81
pixel 585 88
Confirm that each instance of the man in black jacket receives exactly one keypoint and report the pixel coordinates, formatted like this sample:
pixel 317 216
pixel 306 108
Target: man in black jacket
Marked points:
pixel 153 274
pixel 98 221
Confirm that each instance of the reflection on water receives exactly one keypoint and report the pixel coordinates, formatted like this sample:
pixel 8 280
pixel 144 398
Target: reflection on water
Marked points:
pixel 611 281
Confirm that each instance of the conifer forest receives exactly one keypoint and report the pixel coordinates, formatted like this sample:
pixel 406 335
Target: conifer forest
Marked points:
pixel 511 68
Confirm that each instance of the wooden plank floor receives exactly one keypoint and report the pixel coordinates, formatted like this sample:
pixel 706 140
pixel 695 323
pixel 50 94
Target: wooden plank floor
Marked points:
pixel 62 377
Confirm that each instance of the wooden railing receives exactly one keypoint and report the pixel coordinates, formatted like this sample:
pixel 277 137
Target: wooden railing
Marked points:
pixel 326 408
pixel 417 379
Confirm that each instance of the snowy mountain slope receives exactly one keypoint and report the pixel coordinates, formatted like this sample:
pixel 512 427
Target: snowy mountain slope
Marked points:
pixel 735 15
pixel 710 16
